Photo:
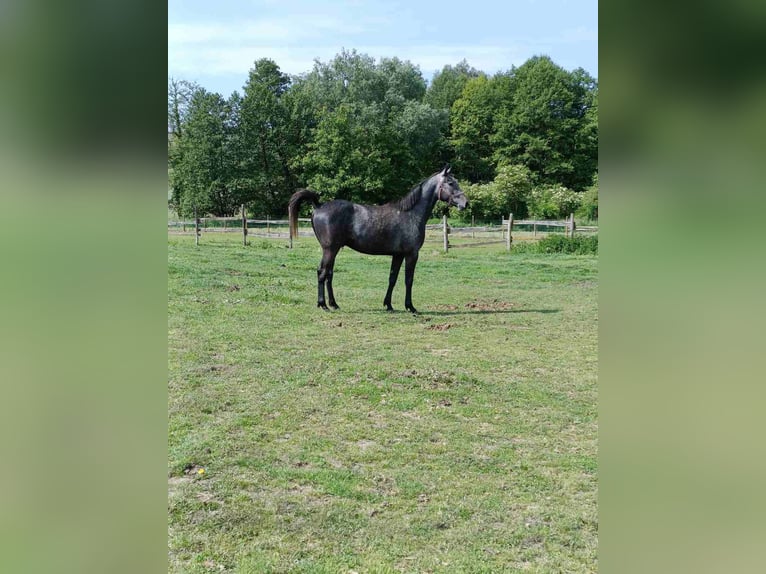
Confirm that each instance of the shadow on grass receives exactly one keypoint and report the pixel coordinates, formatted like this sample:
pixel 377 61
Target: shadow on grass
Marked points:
pixel 471 311
pixel 486 311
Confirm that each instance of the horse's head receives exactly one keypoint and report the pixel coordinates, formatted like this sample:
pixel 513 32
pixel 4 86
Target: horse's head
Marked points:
pixel 449 190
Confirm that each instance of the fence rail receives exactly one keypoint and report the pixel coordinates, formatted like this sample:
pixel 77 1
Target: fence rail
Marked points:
pixel 264 229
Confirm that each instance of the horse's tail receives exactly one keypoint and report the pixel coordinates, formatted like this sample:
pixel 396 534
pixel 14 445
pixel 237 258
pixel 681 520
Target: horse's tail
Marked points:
pixel 295 202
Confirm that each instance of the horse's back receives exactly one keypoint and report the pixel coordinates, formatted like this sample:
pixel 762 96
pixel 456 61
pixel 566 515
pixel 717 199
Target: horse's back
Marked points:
pixel 371 229
pixel 332 222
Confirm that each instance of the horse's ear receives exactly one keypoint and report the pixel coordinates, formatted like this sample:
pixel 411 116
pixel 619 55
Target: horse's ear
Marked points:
pixel 446 169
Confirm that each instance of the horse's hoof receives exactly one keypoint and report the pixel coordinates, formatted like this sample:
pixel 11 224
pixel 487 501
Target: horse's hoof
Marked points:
pixel 412 310
pixel 389 308
pixel 322 306
pixel 334 306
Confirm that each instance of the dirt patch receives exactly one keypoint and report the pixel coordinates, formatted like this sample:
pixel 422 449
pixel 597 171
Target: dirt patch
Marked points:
pixel 175 484
pixel 194 470
pixel 439 327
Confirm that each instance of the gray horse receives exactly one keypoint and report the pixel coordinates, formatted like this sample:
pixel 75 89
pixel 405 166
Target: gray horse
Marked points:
pixel 397 229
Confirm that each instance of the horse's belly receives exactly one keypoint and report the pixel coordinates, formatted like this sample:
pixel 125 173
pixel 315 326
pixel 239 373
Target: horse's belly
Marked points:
pixel 373 247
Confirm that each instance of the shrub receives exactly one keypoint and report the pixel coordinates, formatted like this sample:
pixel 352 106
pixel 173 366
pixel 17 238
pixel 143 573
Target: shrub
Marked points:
pixel 507 193
pixel 579 244
pixel 558 243
pixel 589 203
pixel 553 202
pixel 484 201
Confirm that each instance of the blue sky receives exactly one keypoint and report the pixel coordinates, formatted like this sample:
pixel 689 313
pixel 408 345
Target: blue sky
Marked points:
pixel 216 43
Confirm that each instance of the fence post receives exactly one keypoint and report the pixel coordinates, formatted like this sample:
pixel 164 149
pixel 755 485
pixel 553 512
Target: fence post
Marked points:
pixel 446 241
pixel 534 229
pixel 268 226
pixel 571 225
pixel 244 226
pixel 509 239
pixel 196 227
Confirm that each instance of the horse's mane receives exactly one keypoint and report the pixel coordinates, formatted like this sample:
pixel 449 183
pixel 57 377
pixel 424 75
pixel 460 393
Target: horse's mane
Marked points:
pixel 412 198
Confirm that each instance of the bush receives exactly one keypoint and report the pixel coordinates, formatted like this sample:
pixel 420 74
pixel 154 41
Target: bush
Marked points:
pixel 553 202
pixel 589 204
pixel 507 193
pixel 579 244
pixel 558 243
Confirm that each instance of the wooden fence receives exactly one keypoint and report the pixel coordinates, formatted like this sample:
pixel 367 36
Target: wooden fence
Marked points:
pixel 279 228
pixel 504 233
pixel 268 228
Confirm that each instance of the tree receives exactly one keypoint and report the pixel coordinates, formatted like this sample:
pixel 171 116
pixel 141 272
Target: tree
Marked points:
pixel 447 85
pixel 472 119
pixel 179 95
pixel 548 126
pixel 266 134
pixel 202 173
pixel 403 78
pixel 368 131
pixel 374 138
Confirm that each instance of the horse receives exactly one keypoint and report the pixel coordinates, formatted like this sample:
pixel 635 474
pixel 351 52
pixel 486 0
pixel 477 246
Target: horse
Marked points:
pixel 397 228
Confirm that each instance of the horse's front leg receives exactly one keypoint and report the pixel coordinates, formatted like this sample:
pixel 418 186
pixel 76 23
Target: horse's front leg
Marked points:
pixel 409 275
pixel 396 264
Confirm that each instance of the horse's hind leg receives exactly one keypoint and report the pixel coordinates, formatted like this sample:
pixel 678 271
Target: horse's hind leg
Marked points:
pixel 324 274
pixel 396 264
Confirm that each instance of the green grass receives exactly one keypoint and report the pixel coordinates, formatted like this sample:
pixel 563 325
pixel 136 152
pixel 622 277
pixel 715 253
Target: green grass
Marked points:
pixel 459 440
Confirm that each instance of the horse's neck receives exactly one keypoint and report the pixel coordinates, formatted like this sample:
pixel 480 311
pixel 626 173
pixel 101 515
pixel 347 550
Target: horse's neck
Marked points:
pixel 427 202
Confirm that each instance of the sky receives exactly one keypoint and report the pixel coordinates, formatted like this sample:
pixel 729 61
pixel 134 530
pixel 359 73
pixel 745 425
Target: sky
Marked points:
pixel 216 43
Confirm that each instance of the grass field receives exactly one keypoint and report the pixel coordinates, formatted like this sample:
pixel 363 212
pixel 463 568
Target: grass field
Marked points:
pixel 463 439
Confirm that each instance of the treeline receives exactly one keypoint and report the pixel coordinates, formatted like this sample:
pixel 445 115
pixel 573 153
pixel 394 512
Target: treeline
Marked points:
pixel 522 141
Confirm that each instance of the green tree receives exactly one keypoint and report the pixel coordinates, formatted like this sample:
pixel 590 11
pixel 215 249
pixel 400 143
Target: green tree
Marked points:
pixel 548 126
pixel 447 85
pixel 374 137
pixel 179 95
pixel 403 78
pixel 472 119
pixel 202 172
pixel 268 137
